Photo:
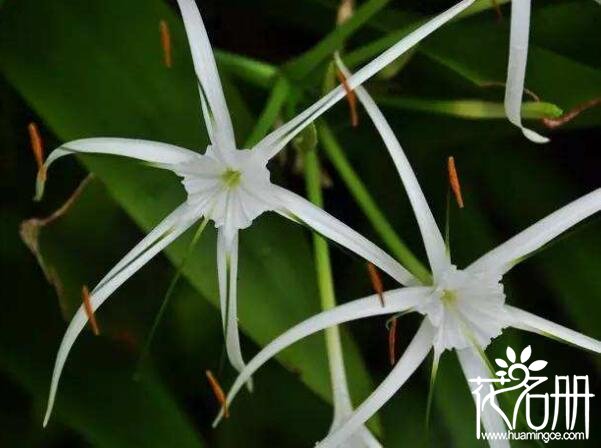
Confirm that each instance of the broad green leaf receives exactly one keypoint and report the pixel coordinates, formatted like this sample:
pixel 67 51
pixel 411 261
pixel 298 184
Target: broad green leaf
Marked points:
pixel 95 70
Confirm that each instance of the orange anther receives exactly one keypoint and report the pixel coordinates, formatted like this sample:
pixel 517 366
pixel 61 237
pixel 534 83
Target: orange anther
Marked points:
pixel 87 304
pixel 351 98
pixel 392 341
pixel 454 181
pixel 218 391
pixel 37 146
pixel 376 281
pixel 165 43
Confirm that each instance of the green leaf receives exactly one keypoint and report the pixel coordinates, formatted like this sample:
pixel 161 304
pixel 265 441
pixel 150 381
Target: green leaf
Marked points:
pixel 95 70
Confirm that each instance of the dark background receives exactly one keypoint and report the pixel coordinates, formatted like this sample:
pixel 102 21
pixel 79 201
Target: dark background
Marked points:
pixel 94 68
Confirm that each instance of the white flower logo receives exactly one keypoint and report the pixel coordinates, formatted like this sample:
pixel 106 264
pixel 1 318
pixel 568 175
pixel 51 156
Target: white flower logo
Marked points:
pixel 512 365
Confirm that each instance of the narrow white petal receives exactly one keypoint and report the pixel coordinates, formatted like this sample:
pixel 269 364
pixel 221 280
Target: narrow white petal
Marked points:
pixel 100 294
pixel 232 337
pixel 161 154
pixel 433 240
pixel 222 276
pixel 396 301
pixel 473 367
pixel 154 235
pixel 413 356
pixel 516 67
pixel 335 230
pixel 208 76
pixel 274 142
pixel 508 254
pixel 526 321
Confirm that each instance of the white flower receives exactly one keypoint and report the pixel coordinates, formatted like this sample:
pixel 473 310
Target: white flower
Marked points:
pixel 227 185
pixel 464 309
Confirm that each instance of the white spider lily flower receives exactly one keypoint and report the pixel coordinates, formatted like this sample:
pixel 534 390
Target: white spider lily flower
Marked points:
pixel 464 310
pixel 227 185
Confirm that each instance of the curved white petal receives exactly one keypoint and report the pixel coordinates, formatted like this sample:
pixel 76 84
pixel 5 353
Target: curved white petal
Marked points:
pixel 145 150
pixel 222 276
pixel 508 254
pixel 154 235
pixel 516 67
pixel 433 240
pixel 396 301
pixel 162 155
pixel 473 367
pixel 274 142
pixel 295 207
pixel 232 333
pixel 413 356
pixel 526 321
pixel 100 294
pixel 214 104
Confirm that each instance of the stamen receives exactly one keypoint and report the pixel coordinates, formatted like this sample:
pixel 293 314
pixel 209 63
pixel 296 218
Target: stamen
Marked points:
pixel 218 391
pixel 165 43
pixel 553 123
pixel 392 341
pixel 87 304
pixel 376 281
pixel 454 181
pixel 37 147
pixel 351 98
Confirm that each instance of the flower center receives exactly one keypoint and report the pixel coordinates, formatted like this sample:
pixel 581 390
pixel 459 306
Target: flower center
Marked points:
pixel 231 193
pixel 448 297
pixel 231 177
pixel 466 308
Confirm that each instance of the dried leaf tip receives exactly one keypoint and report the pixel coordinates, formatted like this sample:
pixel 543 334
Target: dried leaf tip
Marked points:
pixel 553 123
pixel 351 98
pixel 218 392
pixel 454 181
pixel 392 341
pixel 376 282
pixel 37 147
pixel 165 43
pixel 87 304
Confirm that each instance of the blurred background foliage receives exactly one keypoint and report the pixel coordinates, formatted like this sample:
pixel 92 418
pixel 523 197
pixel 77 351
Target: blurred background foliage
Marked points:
pixel 94 68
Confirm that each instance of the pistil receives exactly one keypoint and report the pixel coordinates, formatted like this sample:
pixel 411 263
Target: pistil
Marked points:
pixel 231 178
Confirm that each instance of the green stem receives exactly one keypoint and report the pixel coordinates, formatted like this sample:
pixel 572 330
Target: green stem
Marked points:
pixel 326 286
pixel 270 112
pixel 255 72
pixel 369 207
